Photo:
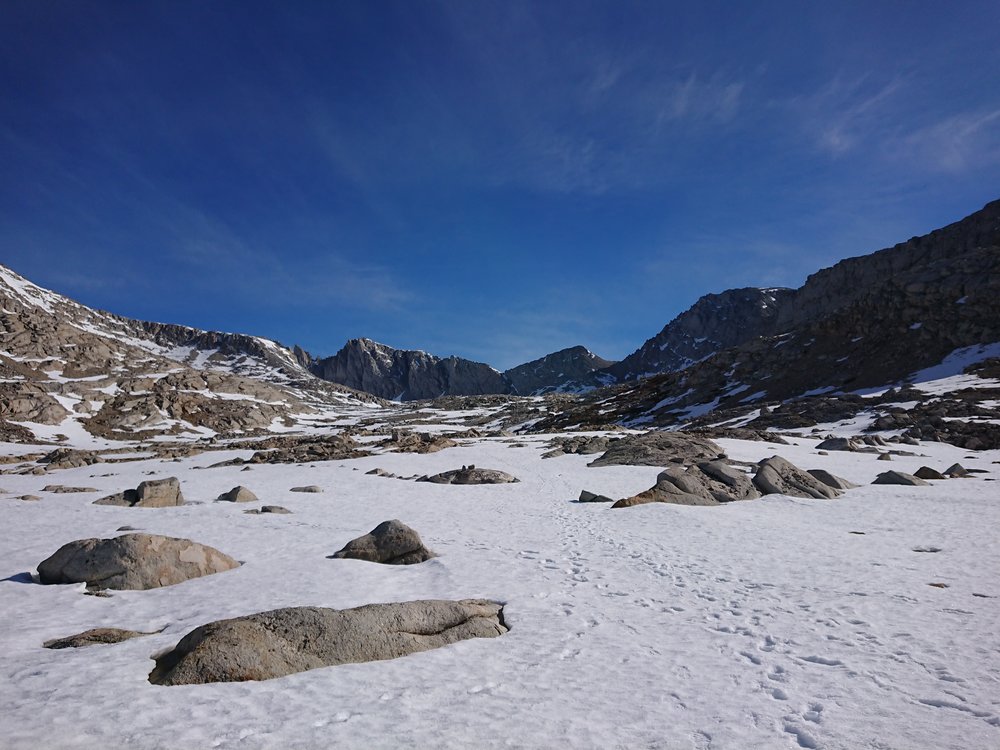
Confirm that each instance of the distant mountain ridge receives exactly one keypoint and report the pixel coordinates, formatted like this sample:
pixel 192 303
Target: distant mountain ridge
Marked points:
pixel 863 322
pixel 411 375
pixel 714 322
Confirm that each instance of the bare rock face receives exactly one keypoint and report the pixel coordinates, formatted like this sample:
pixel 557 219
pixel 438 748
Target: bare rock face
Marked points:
pixel 708 483
pixel 776 475
pixel 391 542
pixel 132 561
pixel 471 475
pixel 714 322
pixel 154 493
pixel 273 644
pixel 659 449
pixel 94 637
pixel 899 477
pixel 238 494
pixel 407 375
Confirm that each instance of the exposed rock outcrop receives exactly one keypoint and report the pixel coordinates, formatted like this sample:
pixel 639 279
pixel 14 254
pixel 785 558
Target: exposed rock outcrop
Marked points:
pixel 238 494
pixel 153 493
pixel 391 543
pixel 776 475
pixel 471 475
pixel 403 441
pixel 832 480
pixel 273 644
pixel 707 483
pixel 899 477
pixel 94 637
pixel 132 561
pixel 659 448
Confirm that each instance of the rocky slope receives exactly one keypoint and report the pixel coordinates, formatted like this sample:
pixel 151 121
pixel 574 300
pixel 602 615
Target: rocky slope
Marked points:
pixel 713 323
pixel 866 322
pixel 117 377
pixel 568 369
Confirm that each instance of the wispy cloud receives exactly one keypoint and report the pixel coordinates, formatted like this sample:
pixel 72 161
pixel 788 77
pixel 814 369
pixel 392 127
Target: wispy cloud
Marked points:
pixel 695 100
pixel 846 114
pixel 956 143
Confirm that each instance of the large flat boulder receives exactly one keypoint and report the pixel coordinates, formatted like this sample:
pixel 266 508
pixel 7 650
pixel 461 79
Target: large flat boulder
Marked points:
pixel 391 542
pixel 471 475
pixel 659 448
pixel 778 476
pixel 153 493
pixel 132 561
pixel 273 644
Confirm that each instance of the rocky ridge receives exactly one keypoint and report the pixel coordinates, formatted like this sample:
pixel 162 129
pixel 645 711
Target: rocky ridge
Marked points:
pixel 412 375
pixel 126 379
pixel 865 323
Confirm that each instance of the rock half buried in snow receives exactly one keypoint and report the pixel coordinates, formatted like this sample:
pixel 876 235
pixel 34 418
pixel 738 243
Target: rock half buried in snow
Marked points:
pixel 471 475
pixel 899 477
pixel 658 448
pixel 307 488
pixel 708 483
pixel 586 496
pixel 94 637
pixel 926 472
pixel 277 509
pixel 776 475
pixel 154 493
pixel 285 641
pixel 391 542
pixel 832 480
pixel 132 561
pixel 238 494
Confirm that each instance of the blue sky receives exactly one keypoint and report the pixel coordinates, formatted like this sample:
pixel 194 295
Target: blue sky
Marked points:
pixel 495 180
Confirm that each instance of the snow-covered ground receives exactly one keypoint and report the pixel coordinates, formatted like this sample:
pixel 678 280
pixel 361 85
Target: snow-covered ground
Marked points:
pixel 770 623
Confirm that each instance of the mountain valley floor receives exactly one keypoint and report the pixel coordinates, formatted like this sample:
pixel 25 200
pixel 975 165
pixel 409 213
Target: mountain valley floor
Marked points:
pixel 867 621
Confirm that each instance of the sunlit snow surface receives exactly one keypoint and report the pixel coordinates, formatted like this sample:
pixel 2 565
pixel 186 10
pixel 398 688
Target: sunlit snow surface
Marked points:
pixel 760 624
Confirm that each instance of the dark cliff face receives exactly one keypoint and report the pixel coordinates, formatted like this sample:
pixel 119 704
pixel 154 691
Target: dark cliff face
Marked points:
pixel 407 375
pixel 414 375
pixel 568 369
pixel 713 323
pixel 865 322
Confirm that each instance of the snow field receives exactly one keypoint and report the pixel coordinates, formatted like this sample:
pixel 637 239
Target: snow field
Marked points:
pixel 762 624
